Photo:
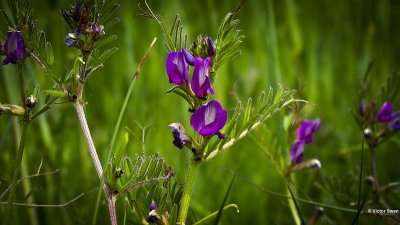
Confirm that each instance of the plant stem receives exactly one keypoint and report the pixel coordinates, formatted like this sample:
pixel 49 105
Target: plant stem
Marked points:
pixel 292 206
pixel 17 169
pixel 88 138
pixel 187 191
pixel 96 161
pixel 374 171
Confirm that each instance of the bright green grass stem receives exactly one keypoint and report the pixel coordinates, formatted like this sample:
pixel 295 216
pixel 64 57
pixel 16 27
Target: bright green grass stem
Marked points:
pixel 187 192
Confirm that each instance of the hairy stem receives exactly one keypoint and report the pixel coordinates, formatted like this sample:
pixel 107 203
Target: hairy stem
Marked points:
pixel 187 192
pixel 93 153
pixel 88 138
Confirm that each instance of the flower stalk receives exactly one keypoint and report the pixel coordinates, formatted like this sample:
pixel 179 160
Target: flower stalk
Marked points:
pixel 187 191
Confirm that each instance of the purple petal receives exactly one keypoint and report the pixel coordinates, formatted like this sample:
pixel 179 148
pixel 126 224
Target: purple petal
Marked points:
pixel 394 122
pixel 297 152
pixel 176 68
pixel 211 48
pixel 153 205
pixel 180 137
pixel 307 130
pixel 385 113
pixel 209 119
pixel 14 47
pixel 201 84
pixel 188 56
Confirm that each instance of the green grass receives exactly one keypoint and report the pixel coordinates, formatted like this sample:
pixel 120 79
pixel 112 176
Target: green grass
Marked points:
pixel 320 48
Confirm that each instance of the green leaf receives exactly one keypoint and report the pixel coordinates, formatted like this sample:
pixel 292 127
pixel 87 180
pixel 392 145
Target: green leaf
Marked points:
pixel 55 93
pixel 106 40
pixel 247 111
pixel 36 91
pixel 107 53
pixel 49 54
pixel 221 209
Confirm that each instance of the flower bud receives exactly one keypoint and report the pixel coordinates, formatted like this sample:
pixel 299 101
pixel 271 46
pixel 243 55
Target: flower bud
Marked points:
pixel 203 47
pixel 30 102
pixel 368 133
pixel 13 110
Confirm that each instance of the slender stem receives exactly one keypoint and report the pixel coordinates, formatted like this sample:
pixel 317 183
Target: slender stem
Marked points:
pixel 96 161
pixel 118 123
pixel 17 169
pixel 88 138
pixel 292 205
pixel 373 169
pixel 111 208
pixel 187 192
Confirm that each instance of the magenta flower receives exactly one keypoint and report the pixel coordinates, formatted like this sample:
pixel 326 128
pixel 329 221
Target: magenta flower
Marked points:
pixel 180 137
pixel 385 113
pixel 209 119
pixel 201 84
pixel 304 136
pixel 14 47
pixel 297 152
pixel 306 131
pixel 177 68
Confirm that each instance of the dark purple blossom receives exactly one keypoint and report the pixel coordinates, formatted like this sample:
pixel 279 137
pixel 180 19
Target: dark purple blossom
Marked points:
pixel 14 48
pixel 72 38
pixel 201 84
pixel 307 129
pixel 209 119
pixel 297 152
pixel 180 137
pixel 177 68
pixel 304 136
pixel 385 113
pixel 153 215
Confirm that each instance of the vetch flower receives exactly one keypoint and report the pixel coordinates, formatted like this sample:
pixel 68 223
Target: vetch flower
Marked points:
pixel 304 136
pixel 306 131
pixel 14 48
pixel 385 113
pixel 297 152
pixel 209 119
pixel 177 68
pixel 72 38
pixel 180 137
pixel 201 84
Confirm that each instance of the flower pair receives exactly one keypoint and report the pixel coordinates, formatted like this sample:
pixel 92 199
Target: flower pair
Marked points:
pixel 386 115
pixel 14 47
pixel 178 72
pixel 304 136
pixel 207 120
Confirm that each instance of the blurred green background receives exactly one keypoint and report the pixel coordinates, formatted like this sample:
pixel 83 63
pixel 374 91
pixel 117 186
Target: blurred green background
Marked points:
pixel 320 48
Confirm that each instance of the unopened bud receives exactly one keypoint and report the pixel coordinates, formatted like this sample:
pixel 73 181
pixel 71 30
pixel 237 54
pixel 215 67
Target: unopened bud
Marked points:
pixel 13 110
pixel 30 102
pixel 368 133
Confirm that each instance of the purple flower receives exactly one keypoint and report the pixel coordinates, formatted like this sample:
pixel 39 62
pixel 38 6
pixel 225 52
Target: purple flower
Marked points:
pixel 306 131
pixel 209 119
pixel 201 84
pixel 176 68
pixel 14 47
pixel 72 38
pixel 180 137
pixel 385 113
pixel 297 152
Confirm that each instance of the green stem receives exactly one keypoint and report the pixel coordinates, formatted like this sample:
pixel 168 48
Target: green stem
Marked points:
pixel 292 206
pixel 187 192
pixel 17 169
